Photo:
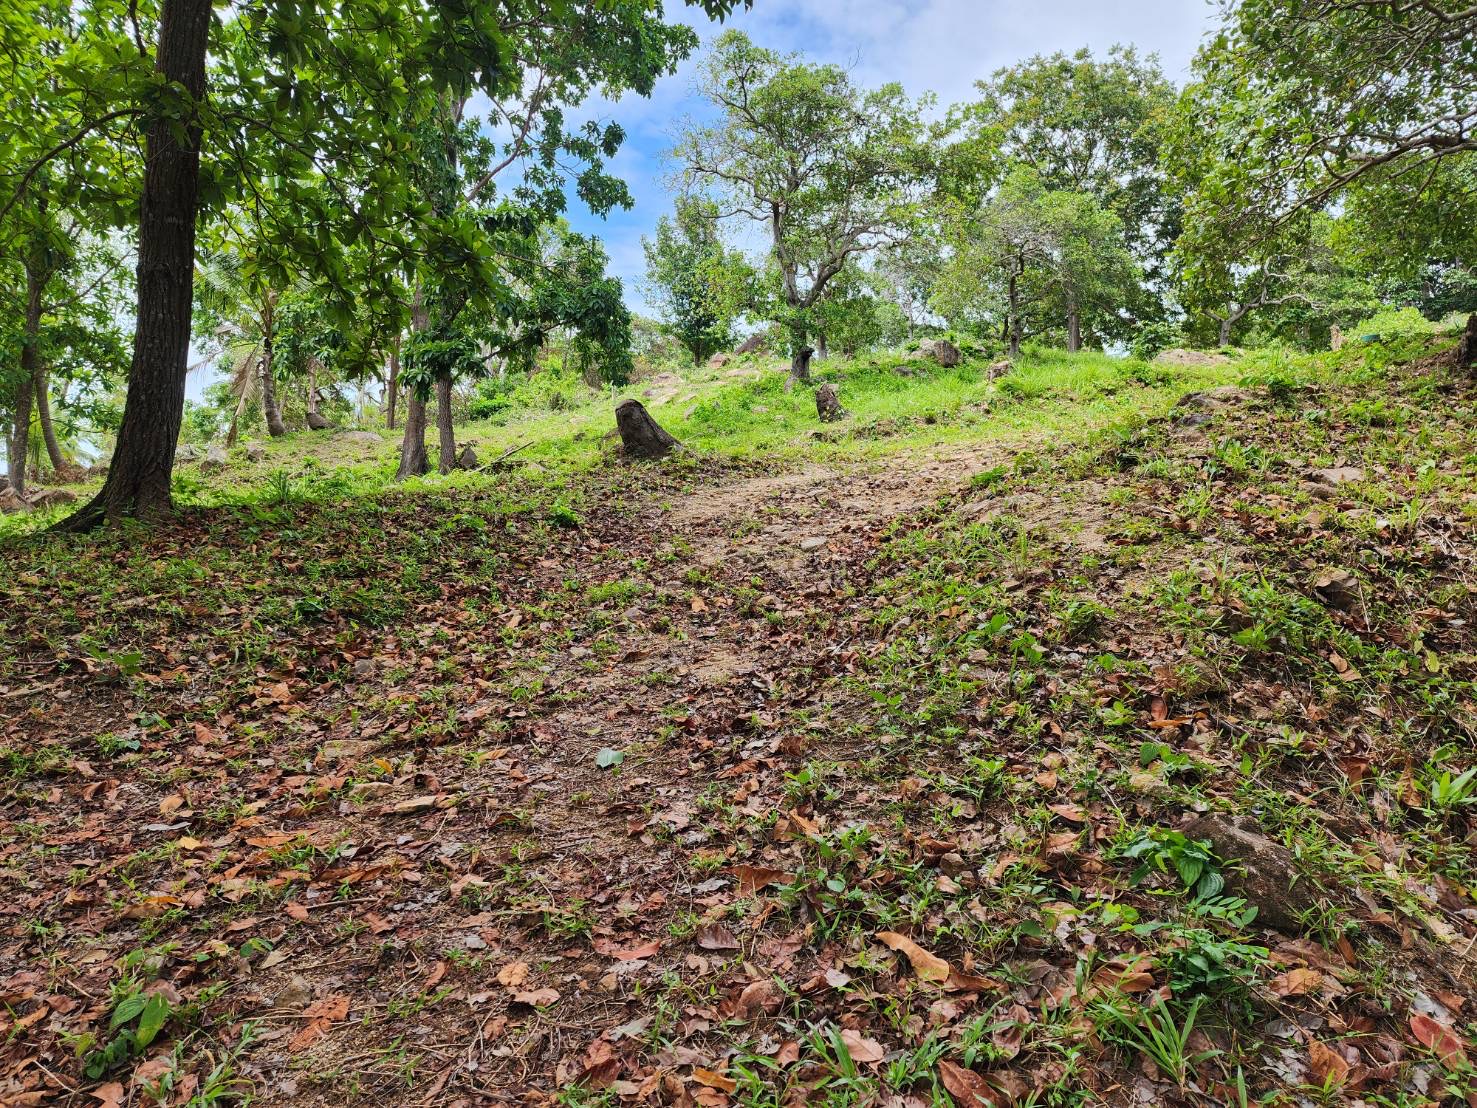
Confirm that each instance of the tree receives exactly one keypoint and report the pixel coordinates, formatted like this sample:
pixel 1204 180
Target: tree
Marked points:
pixel 1031 254
pixel 299 89
pixel 830 170
pixel 1297 102
pixel 698 286
pixel 1084 125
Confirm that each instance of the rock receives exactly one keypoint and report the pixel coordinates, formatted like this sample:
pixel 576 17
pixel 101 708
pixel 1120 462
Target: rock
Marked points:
pixel 753 344
pixel 364 668
pixel 759 409
pixel 1214 400
pixel 215 459
pixel 1261 871
pixel 295 994
pixel 316 422
pixel 256 452
pixel 641 436
pixel 1000 369
pixel 1466 351
pixel 361 438
pixel 10 501
pixel 827 405
pixel 1335 338
pixel 46 498
pixel 904 370
pixel 942 351
pixel 1337 588
pixel 1335 476
pixel 187 453
pixel 1190 357
pixel 466 457
pixel 815 542
pixel 474 942
pixel 718 361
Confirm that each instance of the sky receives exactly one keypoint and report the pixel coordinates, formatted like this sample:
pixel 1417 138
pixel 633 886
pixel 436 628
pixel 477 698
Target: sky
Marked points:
pixel 939 46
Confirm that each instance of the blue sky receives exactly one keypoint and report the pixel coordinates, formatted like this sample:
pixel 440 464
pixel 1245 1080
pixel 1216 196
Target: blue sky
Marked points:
pixel 940 46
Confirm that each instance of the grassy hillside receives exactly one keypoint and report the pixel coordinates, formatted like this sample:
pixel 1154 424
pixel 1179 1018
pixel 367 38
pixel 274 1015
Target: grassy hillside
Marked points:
pixel 1098 735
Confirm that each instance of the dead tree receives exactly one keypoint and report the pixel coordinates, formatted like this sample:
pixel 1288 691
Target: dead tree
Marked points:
pixel 642 436
pixel 827 405
pixel 1466 351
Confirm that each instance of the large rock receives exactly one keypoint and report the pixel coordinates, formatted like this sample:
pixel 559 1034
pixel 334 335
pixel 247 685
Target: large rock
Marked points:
pixel 188 452
pixel 69 473
pixel 1263 872
pixel 361 438
pixel 10 501
pixel 215 459
pixel 256 452
pixel 466 457
pixel 942 351
pixel 317 422
pixel 719 360
pixel 756 342
pixel 828 404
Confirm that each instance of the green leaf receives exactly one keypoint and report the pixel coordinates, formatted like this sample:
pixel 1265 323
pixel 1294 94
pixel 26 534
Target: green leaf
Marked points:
pixel 609 757
pixel 155 1015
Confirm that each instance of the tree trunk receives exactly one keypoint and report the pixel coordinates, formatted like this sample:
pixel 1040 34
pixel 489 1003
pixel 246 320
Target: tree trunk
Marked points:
pixel 1225 335
pixel 43 413
pixel 413 459
pixel 392 387
pixel 1013 315
pixel 30 372
pixel 446 430
pixel 314 418
pixel 642 436
pixel 143 462
pixel 822 351
pixel 275 427
pixel 1466 352
pixel 1074 331
pixel 20 435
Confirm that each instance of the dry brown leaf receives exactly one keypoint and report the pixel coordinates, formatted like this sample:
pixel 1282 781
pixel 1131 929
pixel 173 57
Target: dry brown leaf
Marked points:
pixel 514 973
pixel 753 878
pixel 1328 1067
pixel 1296 982
pixel 929 967
pixel 110 1095
pixel 863 1050
pixel 537 998
pixel 713 1080
pixel 970 1089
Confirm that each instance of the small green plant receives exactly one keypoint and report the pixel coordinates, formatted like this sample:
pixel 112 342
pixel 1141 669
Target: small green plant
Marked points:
pixel 1171 851
pixel 1155 1033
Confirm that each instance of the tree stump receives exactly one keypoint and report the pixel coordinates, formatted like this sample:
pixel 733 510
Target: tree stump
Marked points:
pixel 316 422
pixel 827 405
pixel 642 436
pixel 1466 351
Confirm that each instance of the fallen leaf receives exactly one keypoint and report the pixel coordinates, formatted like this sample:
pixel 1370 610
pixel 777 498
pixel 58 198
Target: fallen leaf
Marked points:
pixel 110 1095
pixel 929 967
pixel 1296 982
pixel 609 757
pixel 1327 1065
pixel 753 878
pixel 537 998
pixel 713 1080
pixel 970 1089
pixel 714 936
pixel 331 1008
pixel 862 1050
pixel 514 973
pixel 1436 1036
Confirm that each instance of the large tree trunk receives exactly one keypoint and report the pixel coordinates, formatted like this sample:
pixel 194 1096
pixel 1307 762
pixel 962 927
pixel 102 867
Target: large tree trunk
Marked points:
pixel 1074 331
pixel 1225 335
pixel 1013 314
pixel 43 415
pixel 822 351
pixel 642 436
pixel 446 432
pixel 143 461
pixel 392 386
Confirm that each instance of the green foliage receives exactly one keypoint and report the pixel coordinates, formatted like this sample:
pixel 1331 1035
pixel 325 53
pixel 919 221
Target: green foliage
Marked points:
pixel 699 285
